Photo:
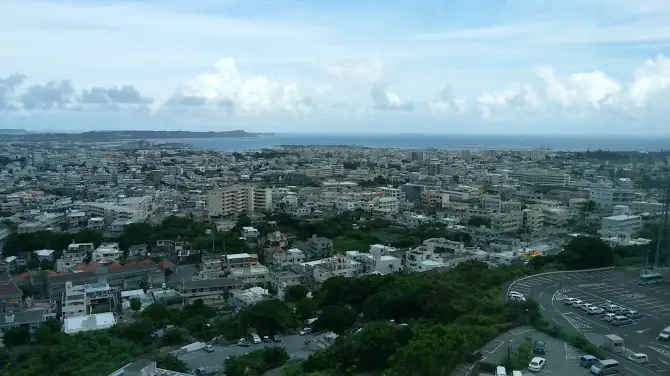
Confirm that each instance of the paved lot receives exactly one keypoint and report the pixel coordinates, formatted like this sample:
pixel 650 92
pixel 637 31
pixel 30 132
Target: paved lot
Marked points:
pixel 562 359
pixel 183 273
pixel 215 361
pixel 620 287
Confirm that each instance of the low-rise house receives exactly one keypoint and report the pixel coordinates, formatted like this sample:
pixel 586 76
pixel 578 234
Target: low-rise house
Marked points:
pixel 107 253
pixel 250 296
pixel 283 280
pixel 252 275
pixel 282 260
pixel 29 319
pixel 213 292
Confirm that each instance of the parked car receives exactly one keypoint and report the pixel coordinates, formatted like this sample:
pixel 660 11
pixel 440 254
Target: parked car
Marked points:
pixel 587 361
pixel 306 331
pixel 276 338
pixel 266 339
pixel 540 348
pixel 536 364
pixel 209 348
pixel 631 314
pixel 243 342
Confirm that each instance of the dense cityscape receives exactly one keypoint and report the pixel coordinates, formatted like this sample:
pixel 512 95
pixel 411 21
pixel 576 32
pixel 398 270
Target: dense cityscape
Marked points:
pixel 129 257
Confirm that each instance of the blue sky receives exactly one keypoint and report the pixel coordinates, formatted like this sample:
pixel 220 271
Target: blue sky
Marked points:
pixel 457 66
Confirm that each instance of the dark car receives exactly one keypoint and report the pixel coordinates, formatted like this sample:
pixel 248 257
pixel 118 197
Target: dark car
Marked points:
pixel 540 348
pixel 476 355
pixel 266 339
pixel 276 338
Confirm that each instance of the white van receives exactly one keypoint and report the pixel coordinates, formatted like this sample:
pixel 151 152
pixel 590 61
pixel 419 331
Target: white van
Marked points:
pixel 621 320
pixel 609 317
pixel 605 367
pixel 500 371
pixel 517 373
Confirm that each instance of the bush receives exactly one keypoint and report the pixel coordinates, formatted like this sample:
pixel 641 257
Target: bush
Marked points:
pixel 578 341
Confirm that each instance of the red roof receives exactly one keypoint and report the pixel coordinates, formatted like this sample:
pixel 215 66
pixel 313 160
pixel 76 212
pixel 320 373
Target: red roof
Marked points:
pixel 81 268
pixel 114 265
pixel 165 264
pixel 22 277
pixel 92 266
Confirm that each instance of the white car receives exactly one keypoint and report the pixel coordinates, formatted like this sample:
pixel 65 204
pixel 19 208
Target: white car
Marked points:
pixel 586 307
pixel 536 364
pixel 639 358
pixel 578 304
pixel 593 310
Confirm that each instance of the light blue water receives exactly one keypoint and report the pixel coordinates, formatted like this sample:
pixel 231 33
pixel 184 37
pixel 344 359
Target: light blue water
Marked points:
pixel 448 142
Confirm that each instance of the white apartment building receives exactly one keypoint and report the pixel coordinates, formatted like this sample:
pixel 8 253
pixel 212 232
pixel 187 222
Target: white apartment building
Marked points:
pixel 237 199
pixel 391 192
pixel 507 222
pixel 252 275
pixel 540 177
pixel 653 208
pixel 75 254
pixel 557 216
pixel 75 302
pixel 606 198
pixel 533 219
pixel 382 204
pixel 620 226
pixel 420 259
pixel 281 260
pixel 107 253
pixel 376 263
pixel 339 265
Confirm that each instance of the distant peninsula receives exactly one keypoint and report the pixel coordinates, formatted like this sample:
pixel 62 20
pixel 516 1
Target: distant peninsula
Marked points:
pixel 111 136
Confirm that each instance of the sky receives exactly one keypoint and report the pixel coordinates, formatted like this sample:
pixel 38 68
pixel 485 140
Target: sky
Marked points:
pixel 298 66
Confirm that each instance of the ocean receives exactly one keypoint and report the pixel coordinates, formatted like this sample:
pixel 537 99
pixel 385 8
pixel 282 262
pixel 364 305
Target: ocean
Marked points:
pixel 446 142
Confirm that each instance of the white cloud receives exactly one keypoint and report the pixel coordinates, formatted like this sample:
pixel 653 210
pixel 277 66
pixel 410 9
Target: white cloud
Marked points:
pixel 386 100
pixel 512 101
pixel 369 71
pixel 448 103
pixel 593 89
pixel 245 95
pixel 652 81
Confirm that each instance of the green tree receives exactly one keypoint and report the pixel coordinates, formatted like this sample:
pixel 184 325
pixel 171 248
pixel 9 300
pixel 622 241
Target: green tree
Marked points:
pixel 335 318
pixel 295 293
pixel 268 316
pixel 477 221
pixel 256 363
pixel 306 308
pixel 135 304
pixel 170 362
pixel 584 252
pixel 16 337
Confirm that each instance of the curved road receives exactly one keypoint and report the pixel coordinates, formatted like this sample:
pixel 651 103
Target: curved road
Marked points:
pixel 596 287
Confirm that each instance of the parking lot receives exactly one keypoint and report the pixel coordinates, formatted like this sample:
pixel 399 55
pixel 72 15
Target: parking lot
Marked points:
pixel 562 359
pixel 620 287
pixel 215 361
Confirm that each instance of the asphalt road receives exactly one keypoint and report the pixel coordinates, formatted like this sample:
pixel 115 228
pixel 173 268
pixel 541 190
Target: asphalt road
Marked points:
pixel 596 287
pixel 215 361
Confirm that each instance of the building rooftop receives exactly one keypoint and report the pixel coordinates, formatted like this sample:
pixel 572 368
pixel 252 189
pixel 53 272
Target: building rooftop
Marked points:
pixel 86 323
pixel 238 256
pixel 621 217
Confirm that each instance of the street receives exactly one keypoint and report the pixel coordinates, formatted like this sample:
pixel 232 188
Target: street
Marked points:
pixel 214 361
